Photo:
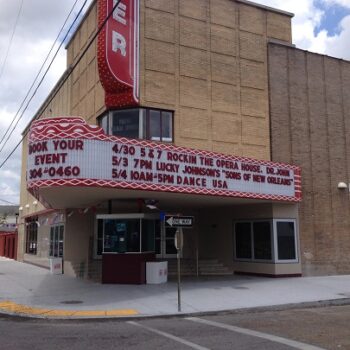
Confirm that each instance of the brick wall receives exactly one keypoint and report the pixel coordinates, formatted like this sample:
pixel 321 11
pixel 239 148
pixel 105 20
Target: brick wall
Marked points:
pixel 207 61
pixel 310 127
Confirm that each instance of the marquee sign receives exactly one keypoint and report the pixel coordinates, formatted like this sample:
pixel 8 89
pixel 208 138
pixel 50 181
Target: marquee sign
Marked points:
pixel 69 152
pixel 118 52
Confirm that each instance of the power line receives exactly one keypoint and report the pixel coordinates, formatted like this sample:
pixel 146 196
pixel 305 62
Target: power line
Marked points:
pixel 66 77
pixel 3 200
pixel 11 39
pixel 41 68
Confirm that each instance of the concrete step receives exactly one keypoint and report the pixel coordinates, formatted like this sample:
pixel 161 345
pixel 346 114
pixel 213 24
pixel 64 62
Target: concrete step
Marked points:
pixel 206 267
pixel 95 271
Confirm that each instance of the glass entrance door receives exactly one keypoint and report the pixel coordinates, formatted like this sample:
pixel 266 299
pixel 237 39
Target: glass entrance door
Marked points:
pixel 170 249
pixel 56 241
pixel 164 241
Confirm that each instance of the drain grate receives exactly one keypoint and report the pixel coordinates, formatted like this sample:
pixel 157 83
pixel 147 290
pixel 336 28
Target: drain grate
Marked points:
pixel 240 288
pixel 71 302
pixel 2 274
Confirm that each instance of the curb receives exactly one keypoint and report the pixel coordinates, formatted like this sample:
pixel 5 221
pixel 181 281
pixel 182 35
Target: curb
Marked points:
pixel 8 307
pixel 18 311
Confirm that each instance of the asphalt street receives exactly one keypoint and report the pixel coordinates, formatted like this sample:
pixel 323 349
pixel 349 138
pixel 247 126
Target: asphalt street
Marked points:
pixel 308 329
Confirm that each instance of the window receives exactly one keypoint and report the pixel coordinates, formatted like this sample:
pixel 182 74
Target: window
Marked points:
pixel 32 235
pixel 125 235
pixel 253 240
pixel 265 240
pixel 126 123
pixel 56 241
pixel 158 126
pixel 139 123
pixel 104 123
pixel 286 240
pixel 262 240
pixel 243 240
pixel 148 235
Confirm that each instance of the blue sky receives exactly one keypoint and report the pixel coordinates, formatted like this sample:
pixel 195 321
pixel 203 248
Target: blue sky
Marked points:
pixel 333 14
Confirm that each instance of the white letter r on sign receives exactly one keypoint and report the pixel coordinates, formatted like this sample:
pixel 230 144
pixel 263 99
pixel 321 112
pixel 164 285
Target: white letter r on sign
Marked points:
pixel 118 43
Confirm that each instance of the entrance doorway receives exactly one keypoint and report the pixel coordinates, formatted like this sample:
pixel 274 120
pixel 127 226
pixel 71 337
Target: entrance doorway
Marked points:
pixel 165 244
pixel 56 241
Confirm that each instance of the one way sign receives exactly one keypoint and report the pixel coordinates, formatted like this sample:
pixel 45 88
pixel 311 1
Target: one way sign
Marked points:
pixel 179 221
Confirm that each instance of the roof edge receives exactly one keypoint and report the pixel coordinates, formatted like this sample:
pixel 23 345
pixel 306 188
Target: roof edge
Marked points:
pixel 280 43
pixel 268 8
pixel 82 20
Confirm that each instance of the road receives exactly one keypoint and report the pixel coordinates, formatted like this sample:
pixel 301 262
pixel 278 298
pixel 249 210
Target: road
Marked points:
pixel 308 329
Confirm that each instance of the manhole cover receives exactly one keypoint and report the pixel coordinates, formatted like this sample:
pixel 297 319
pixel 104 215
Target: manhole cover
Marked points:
pixel 71 302
pixel 1 274
pixel 240 288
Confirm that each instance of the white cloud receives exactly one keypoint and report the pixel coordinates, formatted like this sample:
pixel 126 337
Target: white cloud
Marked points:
pixel 344 3
pixel 38 26
pixel 339 45
pixel 307 18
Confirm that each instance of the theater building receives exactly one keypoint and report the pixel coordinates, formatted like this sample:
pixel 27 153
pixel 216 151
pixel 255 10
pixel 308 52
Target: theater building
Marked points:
pixel 199 108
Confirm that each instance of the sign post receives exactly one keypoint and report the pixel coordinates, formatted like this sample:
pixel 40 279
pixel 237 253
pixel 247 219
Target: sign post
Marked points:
pixel 179 245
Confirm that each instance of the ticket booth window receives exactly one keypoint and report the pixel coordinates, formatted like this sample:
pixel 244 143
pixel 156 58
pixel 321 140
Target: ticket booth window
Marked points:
pixel 134 233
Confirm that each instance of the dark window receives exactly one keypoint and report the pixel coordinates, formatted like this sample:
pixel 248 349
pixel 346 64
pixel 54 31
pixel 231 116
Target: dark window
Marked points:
pixel 32 235
pixel 262 240
pixel 126 235
pixel 121 235
pixel 286 240
pixel 243 240
pixel 139 123
pixel 148 235
pixel 104 123
pixel 99 247
pixel 159 125
pixel 126 123
pixel 253 240
pixel 170 240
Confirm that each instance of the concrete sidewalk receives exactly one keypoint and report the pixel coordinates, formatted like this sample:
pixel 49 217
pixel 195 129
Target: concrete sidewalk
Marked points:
pixel 33 291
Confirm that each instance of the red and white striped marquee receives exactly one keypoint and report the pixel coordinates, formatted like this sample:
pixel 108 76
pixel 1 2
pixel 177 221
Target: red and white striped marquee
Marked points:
pixel 66 151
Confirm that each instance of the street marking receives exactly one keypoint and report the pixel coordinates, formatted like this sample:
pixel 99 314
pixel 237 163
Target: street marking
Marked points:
pixel 170 336
pixel 10 306
pixel 273 338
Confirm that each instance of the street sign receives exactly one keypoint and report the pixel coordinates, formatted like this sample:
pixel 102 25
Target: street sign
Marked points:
pixel 179 221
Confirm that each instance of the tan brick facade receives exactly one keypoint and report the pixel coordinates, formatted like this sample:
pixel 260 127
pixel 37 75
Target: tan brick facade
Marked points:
pixel 204 59
pixel 207 61
pixel 310 113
